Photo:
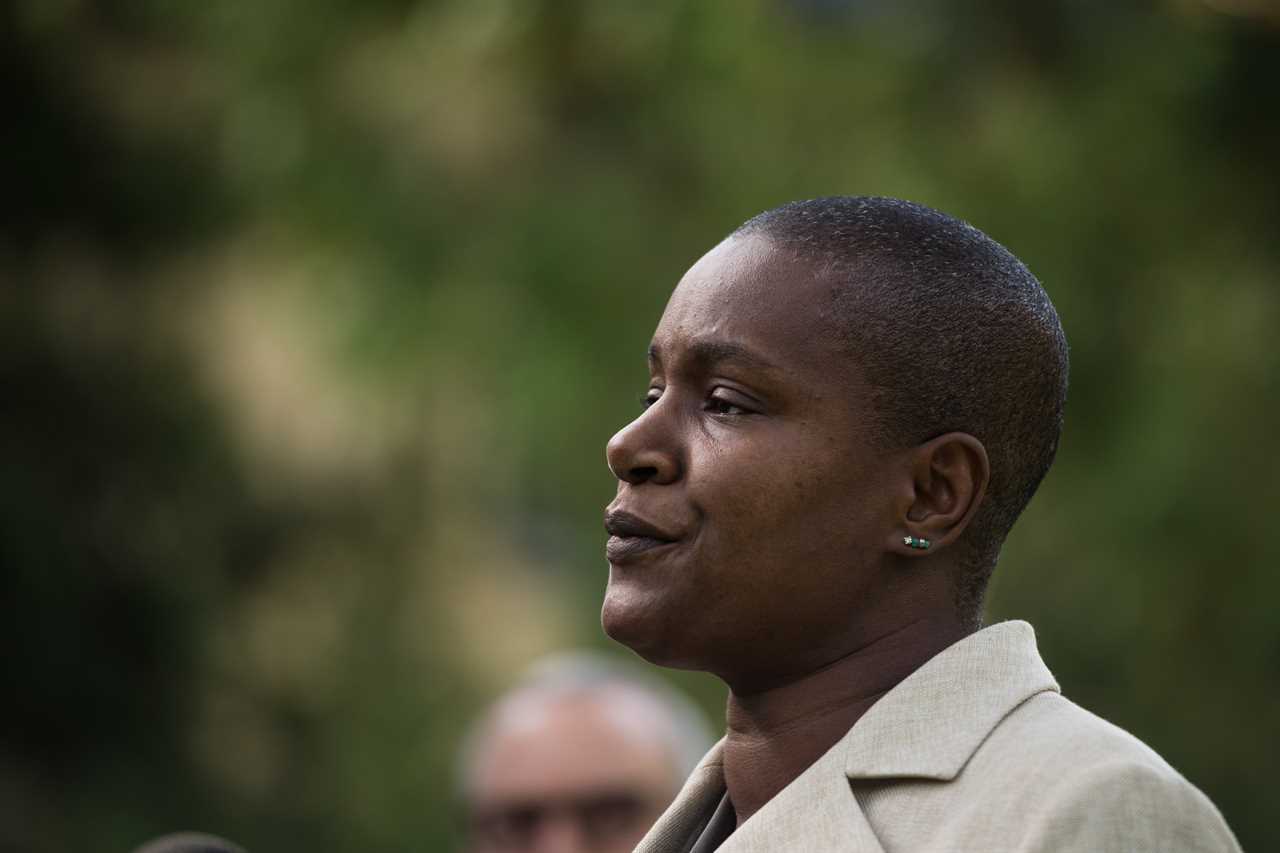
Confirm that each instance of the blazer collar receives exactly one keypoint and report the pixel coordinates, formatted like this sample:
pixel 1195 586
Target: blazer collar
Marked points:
pixel 926 727
pixel 934 720
pixel 812 812
pixel 815 812
pixel 681 825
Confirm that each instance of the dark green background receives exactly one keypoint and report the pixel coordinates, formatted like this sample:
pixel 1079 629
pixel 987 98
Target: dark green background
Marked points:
pixel 317 315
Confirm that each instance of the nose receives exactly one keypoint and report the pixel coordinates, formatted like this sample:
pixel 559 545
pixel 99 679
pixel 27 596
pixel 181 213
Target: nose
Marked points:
pixel 645 450
pixel 561 836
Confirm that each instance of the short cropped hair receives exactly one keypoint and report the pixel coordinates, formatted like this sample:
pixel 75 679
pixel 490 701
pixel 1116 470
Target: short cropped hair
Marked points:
pixel 953 333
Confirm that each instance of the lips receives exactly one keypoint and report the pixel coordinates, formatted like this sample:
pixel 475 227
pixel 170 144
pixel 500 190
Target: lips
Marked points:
pixel 631 536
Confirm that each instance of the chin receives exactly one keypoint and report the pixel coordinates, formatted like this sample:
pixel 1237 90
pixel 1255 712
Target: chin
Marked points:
pixel 624 623
pixel 643 629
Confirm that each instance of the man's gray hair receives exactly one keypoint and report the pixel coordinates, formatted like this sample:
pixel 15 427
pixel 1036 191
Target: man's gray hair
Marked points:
pixel 580 671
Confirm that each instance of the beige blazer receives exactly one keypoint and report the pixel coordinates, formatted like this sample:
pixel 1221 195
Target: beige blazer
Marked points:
pixel 975 751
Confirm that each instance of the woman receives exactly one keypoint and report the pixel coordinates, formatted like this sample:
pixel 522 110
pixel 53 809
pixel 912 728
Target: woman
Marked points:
pixel 851 401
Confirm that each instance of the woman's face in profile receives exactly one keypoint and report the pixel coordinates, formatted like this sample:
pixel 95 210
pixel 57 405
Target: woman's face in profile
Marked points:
pixel 753 508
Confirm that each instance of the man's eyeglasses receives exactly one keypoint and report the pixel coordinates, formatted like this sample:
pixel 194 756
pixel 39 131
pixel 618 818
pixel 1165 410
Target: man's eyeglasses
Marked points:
pixel 600 819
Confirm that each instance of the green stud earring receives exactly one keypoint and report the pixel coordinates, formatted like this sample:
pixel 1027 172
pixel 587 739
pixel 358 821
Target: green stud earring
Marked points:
pixel 917 543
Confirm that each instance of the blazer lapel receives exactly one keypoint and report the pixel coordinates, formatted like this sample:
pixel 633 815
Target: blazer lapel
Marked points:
pixel 925 728
pixel 682 823
pixel 817 811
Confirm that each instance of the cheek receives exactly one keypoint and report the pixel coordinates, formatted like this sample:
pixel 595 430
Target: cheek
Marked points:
pixel 751 489
pixel 784 509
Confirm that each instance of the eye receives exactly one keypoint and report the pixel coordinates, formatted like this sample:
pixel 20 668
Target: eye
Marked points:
pixel 650 397
pixel 611 815
pixel 724 401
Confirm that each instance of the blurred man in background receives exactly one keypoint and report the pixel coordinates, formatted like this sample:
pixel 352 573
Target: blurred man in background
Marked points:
pixel 581 755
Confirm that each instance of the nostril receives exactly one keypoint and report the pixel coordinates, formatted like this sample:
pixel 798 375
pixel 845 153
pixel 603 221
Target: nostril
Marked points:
pixel 643 473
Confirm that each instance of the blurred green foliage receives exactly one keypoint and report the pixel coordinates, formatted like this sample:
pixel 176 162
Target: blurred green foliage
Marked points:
pixel 316 317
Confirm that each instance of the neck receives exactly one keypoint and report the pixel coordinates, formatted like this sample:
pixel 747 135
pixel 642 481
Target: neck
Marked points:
pixel 775 733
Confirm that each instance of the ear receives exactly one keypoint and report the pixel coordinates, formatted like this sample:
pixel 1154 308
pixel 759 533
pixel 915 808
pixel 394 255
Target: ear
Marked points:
pixel 949 479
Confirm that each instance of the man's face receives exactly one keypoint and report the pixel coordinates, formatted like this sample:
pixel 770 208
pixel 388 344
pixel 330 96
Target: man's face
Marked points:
pixel 753 509
pixel 577 773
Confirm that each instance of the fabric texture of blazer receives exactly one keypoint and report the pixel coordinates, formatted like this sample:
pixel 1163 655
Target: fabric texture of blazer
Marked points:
pixel 975 751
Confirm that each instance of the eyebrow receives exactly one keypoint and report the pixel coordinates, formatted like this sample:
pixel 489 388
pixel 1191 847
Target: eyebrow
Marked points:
pixel 710 353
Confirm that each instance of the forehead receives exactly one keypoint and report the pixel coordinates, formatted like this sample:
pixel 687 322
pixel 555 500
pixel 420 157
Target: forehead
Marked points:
pixel 551 745
pixel 746 296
